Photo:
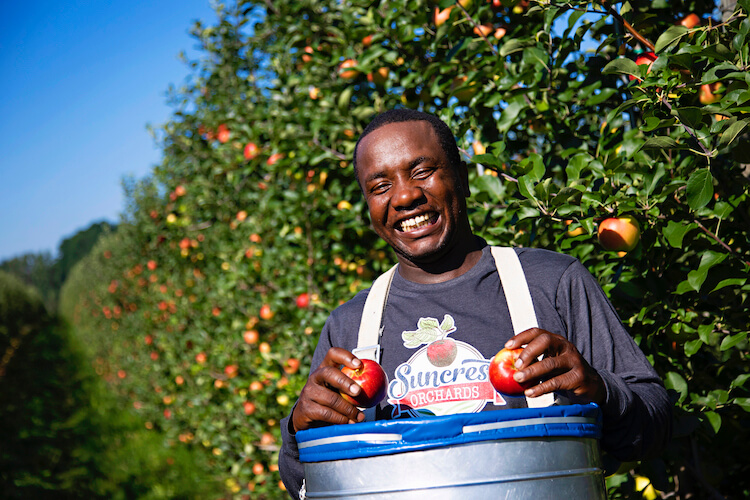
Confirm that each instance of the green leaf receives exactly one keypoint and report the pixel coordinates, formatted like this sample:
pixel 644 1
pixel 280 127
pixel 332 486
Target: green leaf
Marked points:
pixel 743 403
pixel 714 419
pixel 732 340
pixel 660 142
pixel 487 159
pixel 700 188
pixel 448 325
pixel 690 116
pixel 511 46
pixel 575 165
pixel 526 186
pixel 684 287
pixel 600 97
pixel 731 133
pixel 739 381
pixel 729 282
pixel 490 184
pixel 564 195
pixel 674 381
pixel 675 232
pixel 621 66
pixel 669 37
pixel 693 346
pixel 708 260
pixel 704 332
pixel 509 115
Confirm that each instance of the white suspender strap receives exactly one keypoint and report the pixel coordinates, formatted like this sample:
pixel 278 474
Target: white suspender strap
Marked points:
pixel 518 297
pixel 370 330
pixel 368 342
pixel 516 289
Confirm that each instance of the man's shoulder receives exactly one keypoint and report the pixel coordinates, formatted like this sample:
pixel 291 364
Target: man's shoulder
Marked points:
pixel 541 257
pixel 547 267
pixel 352 308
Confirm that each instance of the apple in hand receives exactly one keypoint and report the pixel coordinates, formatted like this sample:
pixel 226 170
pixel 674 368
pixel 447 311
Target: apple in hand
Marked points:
pixel 372 380
pixel 502 369
pixel 619 234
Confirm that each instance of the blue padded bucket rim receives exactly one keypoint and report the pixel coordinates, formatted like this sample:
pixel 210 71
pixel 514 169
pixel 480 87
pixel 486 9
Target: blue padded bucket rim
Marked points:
pixel 386 437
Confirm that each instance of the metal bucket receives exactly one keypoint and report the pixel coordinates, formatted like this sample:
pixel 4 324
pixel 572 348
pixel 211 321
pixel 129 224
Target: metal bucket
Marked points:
pixel 528 453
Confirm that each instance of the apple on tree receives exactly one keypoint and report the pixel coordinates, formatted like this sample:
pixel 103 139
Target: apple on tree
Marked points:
pixel 372 380
pixel 502 369
pixel 303 300
pixel 619 234
pixel 647 58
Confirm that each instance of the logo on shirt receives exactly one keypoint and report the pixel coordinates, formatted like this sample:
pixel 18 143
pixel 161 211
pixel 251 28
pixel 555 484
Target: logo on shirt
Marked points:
pixel 445 376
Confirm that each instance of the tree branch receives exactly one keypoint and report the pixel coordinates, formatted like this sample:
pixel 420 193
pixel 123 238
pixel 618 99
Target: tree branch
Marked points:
pixel 340 156
pixel 628 26
pixel 481 33
pixel 720 242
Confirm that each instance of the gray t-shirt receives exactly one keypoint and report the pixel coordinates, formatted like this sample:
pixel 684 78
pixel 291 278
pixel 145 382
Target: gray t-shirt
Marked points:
pixel 438 340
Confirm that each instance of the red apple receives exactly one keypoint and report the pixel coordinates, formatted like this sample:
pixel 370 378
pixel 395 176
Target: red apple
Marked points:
pixel 709 94
pixel 442 352
pixel 273 159
pixel 647 58
pixel 250 336
pixel 348 73
pixel 303 300
pixel 379 76
pixel 441 16
pixel 249 407
pixel 483 29
pixel 251 151
pixel 502 369
pixel 306 57
pixel 373 381
pixel 222 133
pixel 619 234
pixel 691 20
pixel 291 366
pixel 266 312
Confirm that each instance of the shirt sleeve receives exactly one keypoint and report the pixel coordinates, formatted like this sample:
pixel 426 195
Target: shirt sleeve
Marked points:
pixel 637 413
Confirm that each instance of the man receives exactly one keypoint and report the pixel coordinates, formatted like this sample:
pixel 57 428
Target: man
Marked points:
pixel 446 313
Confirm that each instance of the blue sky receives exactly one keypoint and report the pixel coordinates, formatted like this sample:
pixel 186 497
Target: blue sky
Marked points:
pixel 80 80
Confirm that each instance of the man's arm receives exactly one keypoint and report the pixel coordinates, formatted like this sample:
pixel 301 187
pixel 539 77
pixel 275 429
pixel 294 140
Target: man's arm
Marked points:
pixel 597 361
pixel 319 403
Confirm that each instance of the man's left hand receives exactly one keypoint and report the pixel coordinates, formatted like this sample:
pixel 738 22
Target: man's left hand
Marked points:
pixel 562 368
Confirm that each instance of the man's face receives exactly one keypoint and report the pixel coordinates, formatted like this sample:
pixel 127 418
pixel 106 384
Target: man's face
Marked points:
pixel 416 199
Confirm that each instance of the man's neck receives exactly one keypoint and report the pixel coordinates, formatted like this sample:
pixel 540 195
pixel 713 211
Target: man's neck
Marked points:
pixel 448 267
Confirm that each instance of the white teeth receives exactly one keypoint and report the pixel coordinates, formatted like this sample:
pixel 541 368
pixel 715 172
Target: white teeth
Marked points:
pixel 415 223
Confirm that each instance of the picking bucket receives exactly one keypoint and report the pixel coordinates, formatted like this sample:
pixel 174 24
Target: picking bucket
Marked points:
pixel 525 453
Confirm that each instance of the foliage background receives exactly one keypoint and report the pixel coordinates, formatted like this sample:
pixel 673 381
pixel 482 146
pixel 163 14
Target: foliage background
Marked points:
pixel 189 310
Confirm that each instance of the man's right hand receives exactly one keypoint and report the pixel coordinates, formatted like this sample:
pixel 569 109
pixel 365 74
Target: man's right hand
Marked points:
pixel 320 401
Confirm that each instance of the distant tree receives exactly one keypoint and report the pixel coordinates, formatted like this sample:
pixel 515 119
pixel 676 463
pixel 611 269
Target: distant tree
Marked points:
pixel 78 246
pixel 47 273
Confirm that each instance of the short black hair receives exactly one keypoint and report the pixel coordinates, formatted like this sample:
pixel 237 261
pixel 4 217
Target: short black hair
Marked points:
pixel 445 136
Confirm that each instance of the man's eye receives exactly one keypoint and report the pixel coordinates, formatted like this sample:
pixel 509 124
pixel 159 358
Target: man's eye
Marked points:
pixel 379 188
pixel 422 173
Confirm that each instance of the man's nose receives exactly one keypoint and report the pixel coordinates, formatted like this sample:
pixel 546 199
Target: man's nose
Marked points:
pixel 408 195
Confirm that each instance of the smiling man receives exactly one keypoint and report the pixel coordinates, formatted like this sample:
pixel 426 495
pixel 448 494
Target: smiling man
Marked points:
pixel 446 312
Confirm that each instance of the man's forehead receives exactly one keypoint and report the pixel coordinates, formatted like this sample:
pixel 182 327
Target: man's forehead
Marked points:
pixel 394 134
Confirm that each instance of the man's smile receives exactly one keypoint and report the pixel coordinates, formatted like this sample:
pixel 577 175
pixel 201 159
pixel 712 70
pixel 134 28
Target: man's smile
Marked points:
pixel 417 222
